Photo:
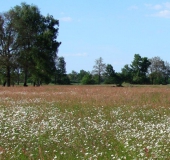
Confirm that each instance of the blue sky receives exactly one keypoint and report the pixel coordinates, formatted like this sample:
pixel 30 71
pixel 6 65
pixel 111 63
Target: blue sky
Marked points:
pixel 112 29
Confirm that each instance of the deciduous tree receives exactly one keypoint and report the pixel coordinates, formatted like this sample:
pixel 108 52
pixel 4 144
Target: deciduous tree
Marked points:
pixel 37 42
pixel 99 68
pixel 73 76
pixel 61 76
pixel 159 71
pixel 87 79
pixel 8 47
pixel 109 74
pixel 127 74
pixel 139 69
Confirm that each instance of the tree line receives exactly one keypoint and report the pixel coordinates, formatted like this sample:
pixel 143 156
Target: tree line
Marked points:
pixel 142 70
pixel 29 48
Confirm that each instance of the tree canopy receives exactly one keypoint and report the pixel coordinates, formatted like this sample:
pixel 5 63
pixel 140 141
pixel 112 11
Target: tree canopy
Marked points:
pixel 28 44
pixel 136 72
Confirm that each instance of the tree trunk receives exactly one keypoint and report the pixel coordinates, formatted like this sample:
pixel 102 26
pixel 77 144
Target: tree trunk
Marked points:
pixel 8 76
pixel 4 83
pixel 34 83
pixel 18 77
pixel 25 78
pixel 99 79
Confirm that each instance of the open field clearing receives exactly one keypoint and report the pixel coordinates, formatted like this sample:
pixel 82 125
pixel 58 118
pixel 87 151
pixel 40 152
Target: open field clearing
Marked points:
pixel 84 122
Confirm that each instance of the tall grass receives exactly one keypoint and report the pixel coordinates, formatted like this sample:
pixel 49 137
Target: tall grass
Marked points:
pixel 84 122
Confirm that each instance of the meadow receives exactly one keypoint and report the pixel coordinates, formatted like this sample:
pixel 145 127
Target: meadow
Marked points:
pixel 84 122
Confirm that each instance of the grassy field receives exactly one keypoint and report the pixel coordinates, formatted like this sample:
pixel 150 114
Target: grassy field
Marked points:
pixel 84 122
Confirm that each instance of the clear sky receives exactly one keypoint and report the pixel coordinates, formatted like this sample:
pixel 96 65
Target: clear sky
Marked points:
pixel 112 29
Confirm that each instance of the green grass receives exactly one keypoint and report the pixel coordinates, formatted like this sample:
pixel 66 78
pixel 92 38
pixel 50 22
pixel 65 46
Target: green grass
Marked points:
pixel 66 123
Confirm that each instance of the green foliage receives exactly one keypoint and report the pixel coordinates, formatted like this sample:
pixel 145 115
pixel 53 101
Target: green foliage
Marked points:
pixel 8 47
pixel 109 75
pixel 119 79
pixel 127 74
pixel 109 71
pixel 30 43
pixel 73 76
pixel 61 66
pixel 81 74
pixel 64 79
pixel 159 71
pixel 76 77
pixel 60 74
pixel 87 79
pixel 139 68
pixel 137 72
